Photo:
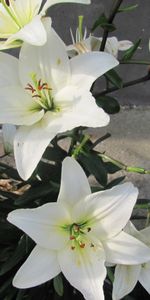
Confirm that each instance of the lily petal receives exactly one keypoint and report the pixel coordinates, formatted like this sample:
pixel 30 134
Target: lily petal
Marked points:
pixel 85 270
pixel 82 109
pixel 8 133
pixel 33 33
pixel 87 67
pixel 9 74
pixel 125 280
pixel 43 224
pixel 17 107
pixel 74 183
pixel 125 249
pixel 29 145
pixel 41 266
pixel 49 3
pixel 109 210
pixel 125 45
pixel 144 276
pixel 49 62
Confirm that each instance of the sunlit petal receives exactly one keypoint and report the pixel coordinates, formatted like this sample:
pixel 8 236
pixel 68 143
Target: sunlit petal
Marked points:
pixel 41 266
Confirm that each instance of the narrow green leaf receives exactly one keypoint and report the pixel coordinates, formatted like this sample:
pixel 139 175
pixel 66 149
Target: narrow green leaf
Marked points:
pixel 128 8
pixel 109 104
pixel 111 168
pixel 58 285
pixel 102 21
pixel 54 153
pixel 18 255
pixel 115 182
pixel 94 165
pixel 20 295
pixel 114 78
pixel 128 54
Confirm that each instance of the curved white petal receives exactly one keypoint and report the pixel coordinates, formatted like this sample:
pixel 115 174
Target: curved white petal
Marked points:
pixel 109 210
pixel 125 249
pixel 9 74
pixel 125 45
pixel 29 145
pixel 49 62
pixel 33 33
pixel 49 3
pixel 8 133
pixel 85 270
pixel 74 183
pixel 27 9
pixel 17 107
pixel 95 43
pixel 112 46
pixel 125 279
pixel 43 224
pixel 40 266
pixel 80 110
pixel 87 67
pixel 144 277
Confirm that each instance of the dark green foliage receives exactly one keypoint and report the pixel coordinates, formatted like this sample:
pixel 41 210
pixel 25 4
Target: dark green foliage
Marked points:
pixel 109 104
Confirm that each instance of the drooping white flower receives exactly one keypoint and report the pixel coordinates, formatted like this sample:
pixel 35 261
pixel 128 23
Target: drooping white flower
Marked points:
pixel 82 44
pixel 8 134
pixel 78 233
pixel 127 276
pixel 47 93
pixel 21 20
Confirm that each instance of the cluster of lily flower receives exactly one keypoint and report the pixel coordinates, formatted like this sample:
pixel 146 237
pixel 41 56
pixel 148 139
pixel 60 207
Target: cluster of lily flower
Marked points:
pixel 45 92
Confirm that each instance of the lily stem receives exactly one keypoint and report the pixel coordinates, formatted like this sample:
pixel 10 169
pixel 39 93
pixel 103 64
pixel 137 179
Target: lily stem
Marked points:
pixel 124 85
pixel 122 166
pixel 111 17
pixel 79 148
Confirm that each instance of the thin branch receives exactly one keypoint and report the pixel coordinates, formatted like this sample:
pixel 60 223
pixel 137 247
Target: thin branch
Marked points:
pixel 126 84
pixel 110 20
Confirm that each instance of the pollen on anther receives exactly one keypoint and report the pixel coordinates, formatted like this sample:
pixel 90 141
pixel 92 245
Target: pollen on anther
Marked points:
pixel 72 237
pixel 82 245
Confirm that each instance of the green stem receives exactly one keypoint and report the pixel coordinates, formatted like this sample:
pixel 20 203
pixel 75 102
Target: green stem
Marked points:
pixel 122 166
pixel 73 140
pixel 99 140
pixel 80 27
pixel 134 61
pixel 110 275
pixel 79 148
pixel 110 20
pixel 126 84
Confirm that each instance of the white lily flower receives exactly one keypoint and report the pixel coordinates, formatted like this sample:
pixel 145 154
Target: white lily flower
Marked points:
pixel 21 20
pixel 127 276
pixel 92 43
pixel 8 134
pixel 78 233
pixel 50 95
